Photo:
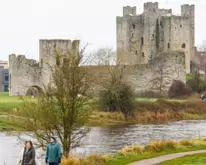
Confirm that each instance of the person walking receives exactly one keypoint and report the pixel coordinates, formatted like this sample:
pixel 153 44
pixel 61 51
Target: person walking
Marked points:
pixel 27 156
pixel 54 152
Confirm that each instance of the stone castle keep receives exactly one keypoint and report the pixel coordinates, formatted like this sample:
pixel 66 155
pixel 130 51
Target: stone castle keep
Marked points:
pixel 141 37
pixel 153 43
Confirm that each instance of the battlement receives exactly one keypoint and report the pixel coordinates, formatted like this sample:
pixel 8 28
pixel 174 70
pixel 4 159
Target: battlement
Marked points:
pixel 151 7
pixel 20 61
pixel 188 10
pixel 129 10
pixel 58 45
pixel 165 11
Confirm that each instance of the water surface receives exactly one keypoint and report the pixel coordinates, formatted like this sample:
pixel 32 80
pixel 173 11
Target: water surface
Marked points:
pixel 111 140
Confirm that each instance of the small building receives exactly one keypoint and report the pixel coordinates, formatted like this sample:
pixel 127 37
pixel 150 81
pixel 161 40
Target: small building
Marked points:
pixel 4 76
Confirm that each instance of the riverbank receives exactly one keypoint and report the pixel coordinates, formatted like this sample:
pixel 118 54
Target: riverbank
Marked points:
pixel 147 111
pixel 137 153
pixel 154 112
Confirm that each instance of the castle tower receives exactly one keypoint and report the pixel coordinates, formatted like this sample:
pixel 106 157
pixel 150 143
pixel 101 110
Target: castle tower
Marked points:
pixel 141 37
pixel 150 31
pixel 135 34
pixel 47 54
pixel 189 11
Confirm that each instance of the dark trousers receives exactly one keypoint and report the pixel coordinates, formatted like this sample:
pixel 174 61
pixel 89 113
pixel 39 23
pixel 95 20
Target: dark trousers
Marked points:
pixel 53 163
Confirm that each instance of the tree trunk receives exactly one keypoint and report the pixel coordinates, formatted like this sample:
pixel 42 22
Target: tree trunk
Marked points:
pixel 66 152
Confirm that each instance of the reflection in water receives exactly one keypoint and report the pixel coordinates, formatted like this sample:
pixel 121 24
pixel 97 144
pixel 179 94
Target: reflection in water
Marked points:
pixel 111 140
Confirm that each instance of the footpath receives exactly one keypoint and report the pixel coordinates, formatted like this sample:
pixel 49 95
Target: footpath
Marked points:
pixel 160 159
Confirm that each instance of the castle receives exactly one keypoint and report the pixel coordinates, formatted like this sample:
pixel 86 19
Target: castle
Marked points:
pixel 141 37
pixel 146 43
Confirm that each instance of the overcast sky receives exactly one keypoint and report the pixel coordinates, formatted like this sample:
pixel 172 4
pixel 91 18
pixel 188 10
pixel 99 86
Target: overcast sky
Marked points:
pixel 24 22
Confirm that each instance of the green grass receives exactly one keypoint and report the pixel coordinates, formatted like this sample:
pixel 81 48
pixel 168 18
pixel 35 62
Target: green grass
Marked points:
pixel 7 104
pixel 123 160
pixel 7 125
pixel 7 101
pixel 133 154
pixel 198 159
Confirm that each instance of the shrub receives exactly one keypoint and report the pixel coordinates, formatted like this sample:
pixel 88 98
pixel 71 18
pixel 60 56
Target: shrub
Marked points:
pixel 186 143
pixel 118 98
pixel 131 150
pixel 197 83
pixel 160 146
pixel 179 89
pixel 71 161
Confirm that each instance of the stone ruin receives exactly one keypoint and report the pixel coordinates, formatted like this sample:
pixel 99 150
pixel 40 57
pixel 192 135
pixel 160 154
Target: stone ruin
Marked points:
pixel 145 43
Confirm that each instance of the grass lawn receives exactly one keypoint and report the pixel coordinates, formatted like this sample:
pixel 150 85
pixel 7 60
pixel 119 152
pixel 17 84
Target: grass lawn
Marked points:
pixel 199 159
pixel 7 101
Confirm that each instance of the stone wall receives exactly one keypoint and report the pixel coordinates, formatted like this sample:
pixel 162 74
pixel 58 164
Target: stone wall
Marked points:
pixel 47 54
pixel 146 77
pixel 177 36
pixel 26 73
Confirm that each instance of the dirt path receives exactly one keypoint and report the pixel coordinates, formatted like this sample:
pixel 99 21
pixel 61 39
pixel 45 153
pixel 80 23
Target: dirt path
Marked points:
pixel 160 159
pixel 12 116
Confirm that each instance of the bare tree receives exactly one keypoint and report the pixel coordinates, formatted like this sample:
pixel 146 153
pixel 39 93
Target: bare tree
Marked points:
pixel 102 57
pixel 162 76
pixel 202 47
pixel 198 65
pixel 59 110
pixel 115 94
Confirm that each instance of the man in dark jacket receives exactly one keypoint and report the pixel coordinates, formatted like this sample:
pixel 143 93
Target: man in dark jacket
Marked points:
pixel 29 154
pixel 54 153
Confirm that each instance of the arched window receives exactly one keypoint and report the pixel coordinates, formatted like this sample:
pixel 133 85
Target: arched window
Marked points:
pixel 142 54
pixel 183 45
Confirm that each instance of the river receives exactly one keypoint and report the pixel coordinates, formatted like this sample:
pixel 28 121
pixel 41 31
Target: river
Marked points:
pixel 111 140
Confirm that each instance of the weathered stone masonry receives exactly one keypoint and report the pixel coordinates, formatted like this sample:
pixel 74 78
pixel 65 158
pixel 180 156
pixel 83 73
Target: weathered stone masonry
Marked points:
pixel 26 73
pixel 140 76
pixel 141 37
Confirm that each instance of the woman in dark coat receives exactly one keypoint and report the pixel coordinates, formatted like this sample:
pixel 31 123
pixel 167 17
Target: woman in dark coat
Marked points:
pixel 28 155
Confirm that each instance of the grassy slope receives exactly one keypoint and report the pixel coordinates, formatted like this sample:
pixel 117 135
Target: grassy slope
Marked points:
pixel 133 154
pixel 199 159
pixel 197 145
